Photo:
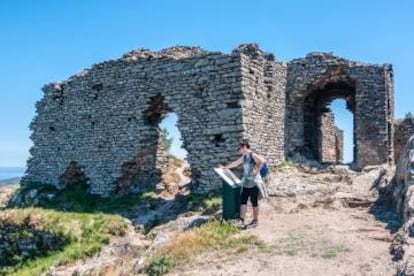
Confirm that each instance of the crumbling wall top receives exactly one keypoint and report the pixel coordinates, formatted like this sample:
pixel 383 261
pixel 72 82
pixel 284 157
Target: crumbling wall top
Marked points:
pixel 253 51
pixel 175 52
pixel 329 57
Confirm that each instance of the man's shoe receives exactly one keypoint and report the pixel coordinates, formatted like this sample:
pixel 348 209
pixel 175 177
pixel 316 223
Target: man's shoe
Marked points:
pixel 254 223
pixel 240 223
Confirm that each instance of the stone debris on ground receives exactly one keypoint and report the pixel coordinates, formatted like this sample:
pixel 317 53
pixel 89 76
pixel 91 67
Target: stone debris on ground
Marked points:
pixel 327 221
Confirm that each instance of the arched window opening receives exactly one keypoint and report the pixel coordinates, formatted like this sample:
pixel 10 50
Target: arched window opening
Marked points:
pixel 337 127
pixel 170 139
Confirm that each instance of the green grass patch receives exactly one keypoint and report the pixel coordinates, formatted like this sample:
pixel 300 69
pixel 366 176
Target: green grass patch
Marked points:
pixel 298 244
pixel 85 235
pixel 333 251
pixel 214 201
pixel 213 235
pixel 77 199
pixel 287 163
pixel 160 266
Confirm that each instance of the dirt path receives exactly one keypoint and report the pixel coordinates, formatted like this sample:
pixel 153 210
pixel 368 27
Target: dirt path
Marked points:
pixel 313 225
pixel 314 232
pixel 180 172
pixel 311 242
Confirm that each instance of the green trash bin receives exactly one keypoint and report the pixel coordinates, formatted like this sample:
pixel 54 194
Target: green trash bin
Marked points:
pixel 231 201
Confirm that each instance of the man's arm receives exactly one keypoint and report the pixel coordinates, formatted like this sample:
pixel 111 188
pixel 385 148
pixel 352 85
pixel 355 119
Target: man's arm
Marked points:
pixel 233 164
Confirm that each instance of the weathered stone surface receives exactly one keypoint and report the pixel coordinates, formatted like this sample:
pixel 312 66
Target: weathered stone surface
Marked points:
pixel 166 232
pixel 120 253
pixel 403 130
pixel 402 190
pixel 315 81
pixel 333 186
pixel 331 149
pixel 101 125
pixel 25 240
pixel 403 181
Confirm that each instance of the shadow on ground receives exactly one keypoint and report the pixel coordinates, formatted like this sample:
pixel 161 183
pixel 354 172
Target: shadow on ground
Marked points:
pixel 145 210
pixel 384 211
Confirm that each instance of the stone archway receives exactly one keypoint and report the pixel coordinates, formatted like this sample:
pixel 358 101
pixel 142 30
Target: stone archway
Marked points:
pixel 322 140
pixel 319 78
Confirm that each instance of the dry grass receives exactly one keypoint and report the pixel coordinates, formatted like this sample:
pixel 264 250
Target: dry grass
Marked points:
pixel 194 242
pixel 5 193
pixel 175 162
pixel 209 237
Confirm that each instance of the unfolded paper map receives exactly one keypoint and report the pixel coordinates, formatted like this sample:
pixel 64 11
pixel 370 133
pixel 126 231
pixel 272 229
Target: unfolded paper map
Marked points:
pixel 228 176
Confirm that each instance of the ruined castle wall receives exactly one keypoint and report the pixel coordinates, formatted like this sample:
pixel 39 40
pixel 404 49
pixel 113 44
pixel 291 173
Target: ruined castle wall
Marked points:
pixel 403 130
pixel 331 139
pixel 389 89
pixel 106 119
pixel 102 124
pixel 374 112
pixel 339 135
pixel 264 82
pixel 366 88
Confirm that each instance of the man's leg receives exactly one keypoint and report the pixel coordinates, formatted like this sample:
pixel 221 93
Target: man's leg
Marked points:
pixel 243 204
pixel 256 213
pixel 243 209
pixel 255 203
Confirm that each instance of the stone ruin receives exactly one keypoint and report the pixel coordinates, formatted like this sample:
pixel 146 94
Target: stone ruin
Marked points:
pixel 315 81
pixel 102 125
pixel 403 130
pixel 332 139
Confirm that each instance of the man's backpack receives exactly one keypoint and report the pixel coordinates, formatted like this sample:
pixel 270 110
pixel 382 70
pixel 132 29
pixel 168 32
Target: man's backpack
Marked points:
pixel 264 171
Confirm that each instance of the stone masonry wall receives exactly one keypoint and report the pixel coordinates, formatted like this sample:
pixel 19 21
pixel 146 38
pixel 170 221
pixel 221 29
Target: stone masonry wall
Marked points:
pixel 264 81
pixel 314 81
pixel 339 135
pixel 102 125
pixel 403 130
pixel 331 139
pixel 105 119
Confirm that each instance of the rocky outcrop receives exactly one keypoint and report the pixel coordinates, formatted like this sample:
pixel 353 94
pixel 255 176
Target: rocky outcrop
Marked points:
pixel 23 240
pixel 403 130
pixel 403 180
pixel 330 186
pixel 117 258
pixel 402 190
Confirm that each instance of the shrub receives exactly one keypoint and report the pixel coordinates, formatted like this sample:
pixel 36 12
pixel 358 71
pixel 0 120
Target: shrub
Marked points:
pixel 160 266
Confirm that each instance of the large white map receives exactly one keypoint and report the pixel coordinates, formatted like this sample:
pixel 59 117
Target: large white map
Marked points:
pixel 228 176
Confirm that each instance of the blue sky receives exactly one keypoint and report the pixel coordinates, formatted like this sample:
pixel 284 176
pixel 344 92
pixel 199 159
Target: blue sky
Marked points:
pixel 44 41
pixel 169 122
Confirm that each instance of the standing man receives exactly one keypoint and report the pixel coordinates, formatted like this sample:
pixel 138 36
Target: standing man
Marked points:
pixel 252 164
